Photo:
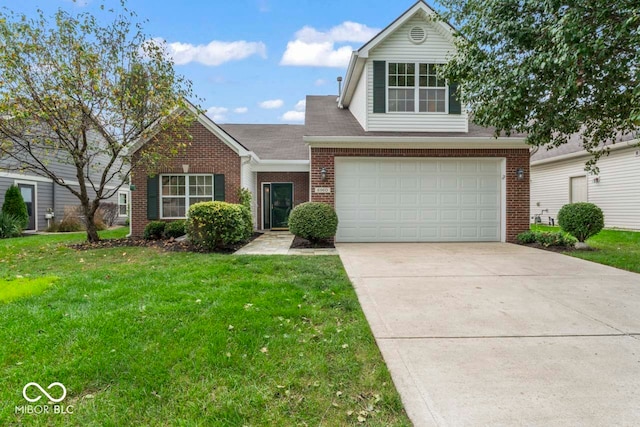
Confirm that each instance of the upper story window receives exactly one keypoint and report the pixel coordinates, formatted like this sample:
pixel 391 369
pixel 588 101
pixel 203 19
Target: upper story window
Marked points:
pixel 178 192
pixel 415 87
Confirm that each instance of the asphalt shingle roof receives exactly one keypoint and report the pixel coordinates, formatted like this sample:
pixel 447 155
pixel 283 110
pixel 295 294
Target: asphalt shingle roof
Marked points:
pixel 324 118
pixel 574 145
pixel 271 142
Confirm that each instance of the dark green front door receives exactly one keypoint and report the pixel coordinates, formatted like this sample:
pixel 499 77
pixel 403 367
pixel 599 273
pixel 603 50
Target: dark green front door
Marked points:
pixel 281 205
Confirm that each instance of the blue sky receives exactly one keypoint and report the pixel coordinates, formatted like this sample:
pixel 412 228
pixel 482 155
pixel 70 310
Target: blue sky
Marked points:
pixel 254 61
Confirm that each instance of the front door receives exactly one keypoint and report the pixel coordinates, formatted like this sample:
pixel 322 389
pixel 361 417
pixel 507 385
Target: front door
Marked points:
pixel 278 202
pixel 28 192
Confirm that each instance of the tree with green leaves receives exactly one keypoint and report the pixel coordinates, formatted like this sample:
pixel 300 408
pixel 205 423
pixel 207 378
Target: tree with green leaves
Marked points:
pixel 550 68
pixel 78 91
pixel 14 205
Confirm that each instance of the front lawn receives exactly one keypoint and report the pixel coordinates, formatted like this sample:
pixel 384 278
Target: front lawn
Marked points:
pixel 140 336
pixel 616 248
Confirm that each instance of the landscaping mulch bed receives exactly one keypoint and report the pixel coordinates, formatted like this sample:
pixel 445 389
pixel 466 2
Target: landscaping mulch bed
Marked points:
pixel 167 245
pixel 300 243
pixel 558 249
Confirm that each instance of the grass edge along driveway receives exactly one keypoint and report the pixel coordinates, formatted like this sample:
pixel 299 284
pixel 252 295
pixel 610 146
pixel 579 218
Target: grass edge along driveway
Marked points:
pixel 139 336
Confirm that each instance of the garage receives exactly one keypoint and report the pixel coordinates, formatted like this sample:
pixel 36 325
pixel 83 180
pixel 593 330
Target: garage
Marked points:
pixel 419 199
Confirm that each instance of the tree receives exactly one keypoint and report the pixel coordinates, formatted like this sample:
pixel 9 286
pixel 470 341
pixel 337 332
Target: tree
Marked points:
pixel 82 93
pixel 549 68
pixel 14 205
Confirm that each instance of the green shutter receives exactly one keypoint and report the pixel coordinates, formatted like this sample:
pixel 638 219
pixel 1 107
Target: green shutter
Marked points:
pixel 218 187
pixel 153 187
pixel 454 102
pixel 379 87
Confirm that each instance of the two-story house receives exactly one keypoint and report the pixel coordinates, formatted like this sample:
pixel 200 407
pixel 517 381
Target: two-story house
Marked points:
pixel 394 153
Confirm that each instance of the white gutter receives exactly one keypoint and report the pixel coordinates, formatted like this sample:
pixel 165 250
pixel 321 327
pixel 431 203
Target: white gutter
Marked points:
pixel 414 142
pixel 584 153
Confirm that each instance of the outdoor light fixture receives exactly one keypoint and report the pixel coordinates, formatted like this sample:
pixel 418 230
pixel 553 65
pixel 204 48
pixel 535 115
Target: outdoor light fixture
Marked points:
pixel 520 174
pixel 185 168
pixel 323 174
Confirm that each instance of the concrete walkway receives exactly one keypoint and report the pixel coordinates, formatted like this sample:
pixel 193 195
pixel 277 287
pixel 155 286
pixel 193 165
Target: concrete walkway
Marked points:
pixel 500 334
pixel 279 243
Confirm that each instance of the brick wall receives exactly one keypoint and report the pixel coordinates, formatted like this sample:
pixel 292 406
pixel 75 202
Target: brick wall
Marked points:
pixel 517 191
pixel 205 154
pixel 300 182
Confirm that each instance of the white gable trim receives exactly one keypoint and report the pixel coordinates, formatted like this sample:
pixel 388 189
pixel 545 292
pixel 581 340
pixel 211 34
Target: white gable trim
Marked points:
pixel 209 124
pixel 359 57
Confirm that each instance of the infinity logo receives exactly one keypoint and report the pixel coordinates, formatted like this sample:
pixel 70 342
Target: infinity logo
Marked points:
pixel 43 391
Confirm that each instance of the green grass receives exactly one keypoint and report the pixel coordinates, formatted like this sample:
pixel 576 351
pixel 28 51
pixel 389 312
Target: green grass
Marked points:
pixel 20 287
pixel 616 248
pixel 149 338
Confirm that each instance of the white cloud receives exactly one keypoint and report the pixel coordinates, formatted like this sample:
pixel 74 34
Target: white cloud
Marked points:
pixel 215 53
pixel 297 114
pixel 293 116
pixel 320 82
pixel 317 48
pixel 217 113
pixel 272 104
pixel 240 110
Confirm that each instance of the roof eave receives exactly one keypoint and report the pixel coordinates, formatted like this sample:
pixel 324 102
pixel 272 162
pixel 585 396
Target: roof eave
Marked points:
pixel 432 142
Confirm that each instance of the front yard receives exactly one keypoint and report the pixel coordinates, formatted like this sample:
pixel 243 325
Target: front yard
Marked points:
pixel 139 336
pixel 616 248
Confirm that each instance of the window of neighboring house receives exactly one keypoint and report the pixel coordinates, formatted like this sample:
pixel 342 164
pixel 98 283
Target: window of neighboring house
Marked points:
pixel 414 84
pixel 123 203
pixel 178 192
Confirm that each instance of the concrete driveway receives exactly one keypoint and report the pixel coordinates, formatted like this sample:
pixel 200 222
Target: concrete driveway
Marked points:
pixel 499 334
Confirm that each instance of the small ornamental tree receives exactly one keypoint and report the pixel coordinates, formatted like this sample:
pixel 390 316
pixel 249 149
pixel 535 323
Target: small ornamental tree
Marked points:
pixel 14 205
pixel 81 90
pixel 581 220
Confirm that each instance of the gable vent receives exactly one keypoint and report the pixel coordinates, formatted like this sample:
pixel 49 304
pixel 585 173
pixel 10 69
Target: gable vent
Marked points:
pixel 417 34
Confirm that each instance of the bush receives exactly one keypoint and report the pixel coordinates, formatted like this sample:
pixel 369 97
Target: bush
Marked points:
pixel 10 225
pixel 69 225
pixel 546 238
pixel 174 229
pixel 526 237
pixel 108 213
pixel 14 205
pixel 154 230
pixel 214 225
pixel 581 220
pixel 313 221
pixel 244 196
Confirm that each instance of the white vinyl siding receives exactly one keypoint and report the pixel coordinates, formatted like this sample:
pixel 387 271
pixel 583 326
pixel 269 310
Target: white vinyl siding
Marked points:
pixel 358 106
pixel 398 48
pixel 615 192
pixel 249 181
pixel 418 199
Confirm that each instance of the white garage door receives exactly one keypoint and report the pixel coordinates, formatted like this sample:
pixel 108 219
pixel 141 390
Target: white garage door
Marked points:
pixel 418 199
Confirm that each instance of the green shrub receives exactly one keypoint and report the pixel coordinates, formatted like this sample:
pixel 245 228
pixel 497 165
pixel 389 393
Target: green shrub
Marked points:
pixel 313 221
pixel 154 230
pixel 546 238
pixel 10 225
pixel 244 196
pixel 14 205
pixel 248 223
pixel 175 229
pixel 214 225
pixel 581 220
pixel 526 237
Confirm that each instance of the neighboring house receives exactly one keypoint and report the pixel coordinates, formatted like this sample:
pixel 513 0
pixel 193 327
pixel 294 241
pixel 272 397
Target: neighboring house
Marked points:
pixel 46 201
pixel 558 177
pixel 394 153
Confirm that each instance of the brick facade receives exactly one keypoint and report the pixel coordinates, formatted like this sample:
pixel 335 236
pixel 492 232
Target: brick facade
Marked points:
pixel 300 182
pixel 205 154
pixel 517 196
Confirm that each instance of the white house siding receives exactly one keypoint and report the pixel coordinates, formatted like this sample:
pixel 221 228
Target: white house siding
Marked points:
pixel 398 48
pixel 358 106
pixel 249 180
pixel 617 192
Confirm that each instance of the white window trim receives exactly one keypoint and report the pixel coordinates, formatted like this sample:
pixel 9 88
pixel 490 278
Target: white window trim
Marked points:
pixel 417 87
pixel 35 200
pixel 186 191
pixel 128 195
